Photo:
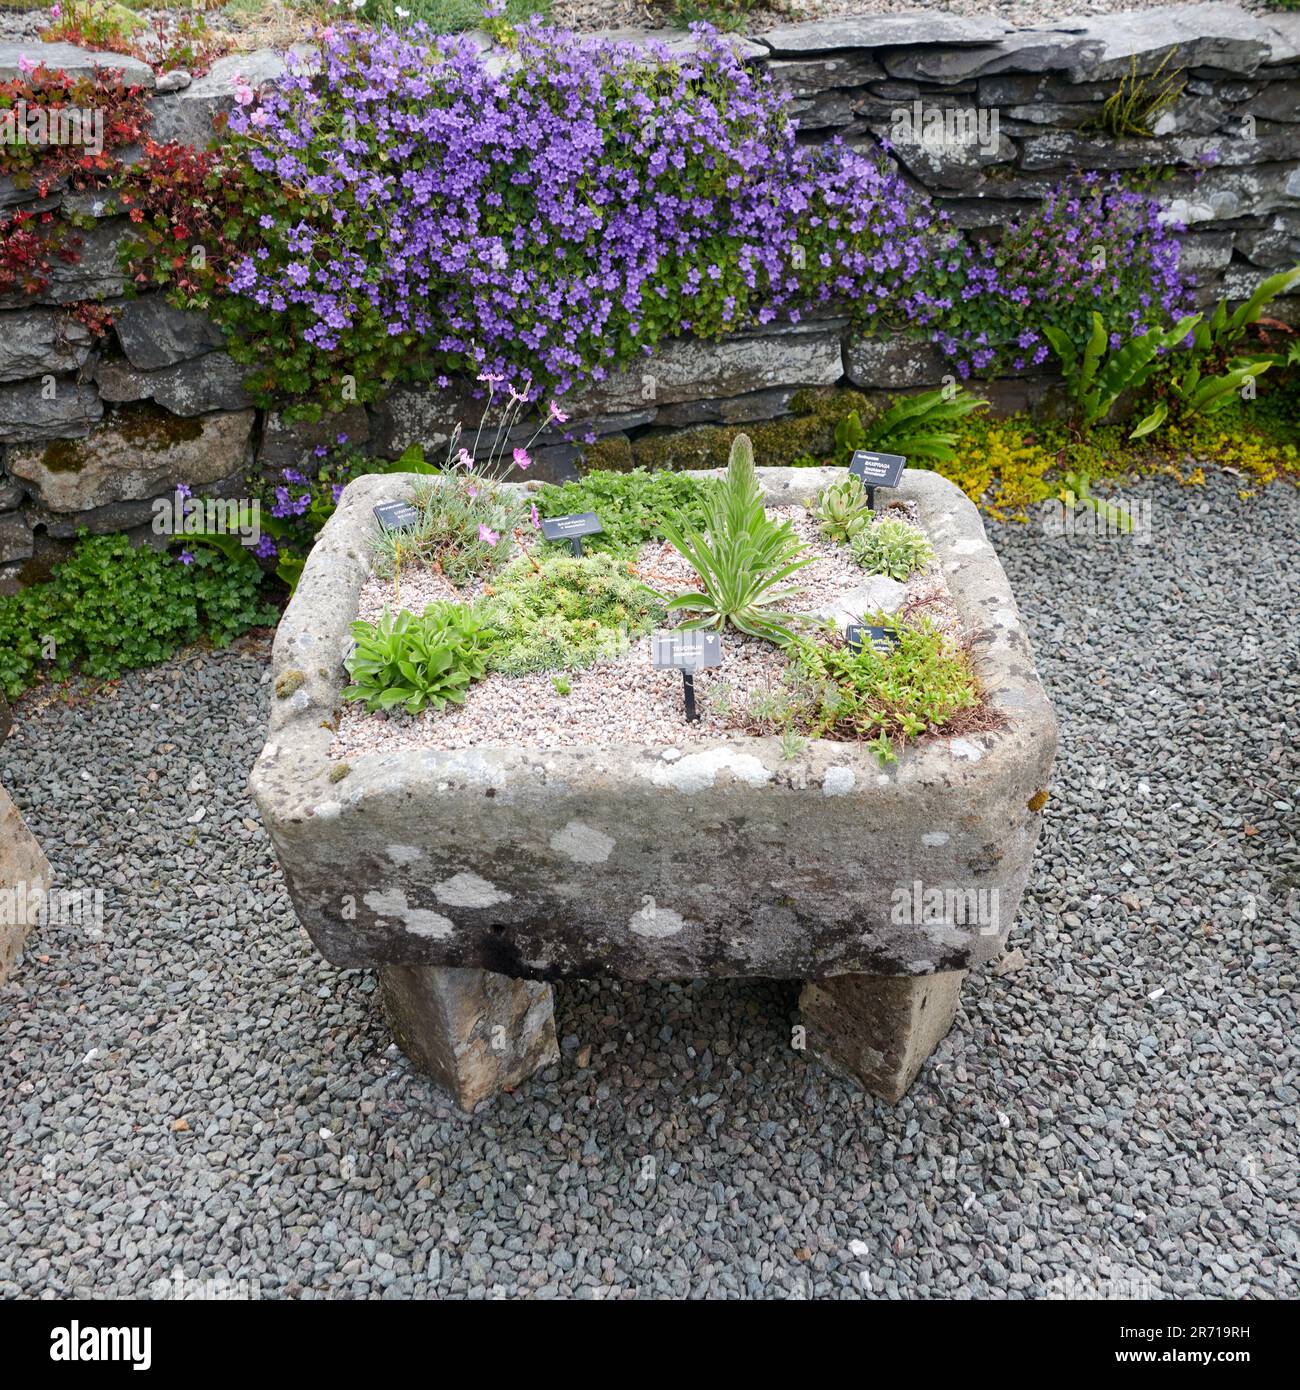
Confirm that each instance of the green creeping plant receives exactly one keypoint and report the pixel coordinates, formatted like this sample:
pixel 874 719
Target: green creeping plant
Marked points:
pixel 883 700
pixel 630 505
pixel 742 558
pixel 416 662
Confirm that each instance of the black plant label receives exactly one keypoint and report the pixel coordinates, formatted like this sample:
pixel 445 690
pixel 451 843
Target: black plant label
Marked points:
pixel 565 528
pixel 396 516
pixel 883 639
pixel 877 470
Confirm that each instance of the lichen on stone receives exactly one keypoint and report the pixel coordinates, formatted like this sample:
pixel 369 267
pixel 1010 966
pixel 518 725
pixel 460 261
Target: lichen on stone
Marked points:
pixel 289 682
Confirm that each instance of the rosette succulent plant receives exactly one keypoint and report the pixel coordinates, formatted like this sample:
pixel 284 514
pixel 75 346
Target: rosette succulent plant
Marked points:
pixel 841 509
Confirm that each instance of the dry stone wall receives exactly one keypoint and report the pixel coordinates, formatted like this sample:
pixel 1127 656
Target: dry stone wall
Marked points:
pixel 91 432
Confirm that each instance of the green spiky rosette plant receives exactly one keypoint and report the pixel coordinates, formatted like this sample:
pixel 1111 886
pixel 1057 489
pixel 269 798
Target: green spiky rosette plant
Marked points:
pixel 742 557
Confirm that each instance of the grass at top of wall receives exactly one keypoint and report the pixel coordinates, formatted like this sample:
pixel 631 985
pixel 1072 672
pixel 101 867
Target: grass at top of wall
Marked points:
pixel 446 16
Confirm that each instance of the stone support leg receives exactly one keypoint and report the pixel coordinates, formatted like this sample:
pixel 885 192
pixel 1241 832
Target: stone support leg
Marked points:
pixel 879 1029
pixel 475 1032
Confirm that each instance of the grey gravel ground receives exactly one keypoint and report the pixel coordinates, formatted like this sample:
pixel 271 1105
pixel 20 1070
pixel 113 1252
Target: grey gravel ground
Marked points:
pixel 1114 1115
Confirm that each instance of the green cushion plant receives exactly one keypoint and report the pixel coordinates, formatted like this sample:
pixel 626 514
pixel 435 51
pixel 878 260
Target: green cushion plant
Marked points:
pixel 891 547
pixel 565 611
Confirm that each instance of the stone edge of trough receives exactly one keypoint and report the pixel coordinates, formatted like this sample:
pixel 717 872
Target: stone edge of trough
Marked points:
pixel 290 776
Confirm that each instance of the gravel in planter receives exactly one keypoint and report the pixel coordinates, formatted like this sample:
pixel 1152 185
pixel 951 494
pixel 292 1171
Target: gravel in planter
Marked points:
pixel 620 700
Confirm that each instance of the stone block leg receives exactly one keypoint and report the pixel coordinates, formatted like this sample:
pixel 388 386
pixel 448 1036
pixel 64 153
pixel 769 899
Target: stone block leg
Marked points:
pixel 473 1031
pixel 879 1029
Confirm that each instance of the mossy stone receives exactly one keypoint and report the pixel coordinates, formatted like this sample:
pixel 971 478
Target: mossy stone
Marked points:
pixel 808 429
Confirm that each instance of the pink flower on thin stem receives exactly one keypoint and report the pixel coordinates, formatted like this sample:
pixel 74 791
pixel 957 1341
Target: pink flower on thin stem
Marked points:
pixel 532 513
pixel 555 413
pixel 487 535
pixel 521 458
pixel 465 459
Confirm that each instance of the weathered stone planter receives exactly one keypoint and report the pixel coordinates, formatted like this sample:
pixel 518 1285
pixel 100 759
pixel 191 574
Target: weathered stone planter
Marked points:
pixel 24 871
pixel 469 877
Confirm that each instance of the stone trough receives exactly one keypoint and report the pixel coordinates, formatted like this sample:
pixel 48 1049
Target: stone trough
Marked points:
pixel 474 878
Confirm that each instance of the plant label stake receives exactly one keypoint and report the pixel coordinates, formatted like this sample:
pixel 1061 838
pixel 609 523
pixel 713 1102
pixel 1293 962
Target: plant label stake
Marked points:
pixel 687 651
pixel 571 528
pixel 397 516
pixel 876 470
pixel 884 640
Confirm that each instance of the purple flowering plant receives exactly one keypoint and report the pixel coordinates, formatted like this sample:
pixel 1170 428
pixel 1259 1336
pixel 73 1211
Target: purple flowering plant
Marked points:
pixel 1095 244
pixel 411 206
pixel 296 502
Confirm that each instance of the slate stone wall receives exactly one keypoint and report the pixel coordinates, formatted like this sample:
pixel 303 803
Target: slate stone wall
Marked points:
pixel 91 432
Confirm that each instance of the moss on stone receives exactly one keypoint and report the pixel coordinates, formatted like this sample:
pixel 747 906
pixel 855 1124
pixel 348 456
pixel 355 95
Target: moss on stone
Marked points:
pixel 152 428
pixel 145 427
pixel 339 771
pixel 63 456
pixel 809 428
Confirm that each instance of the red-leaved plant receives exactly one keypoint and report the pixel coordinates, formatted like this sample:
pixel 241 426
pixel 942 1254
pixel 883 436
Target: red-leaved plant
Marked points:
pixel 123 109
pixel 178 199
